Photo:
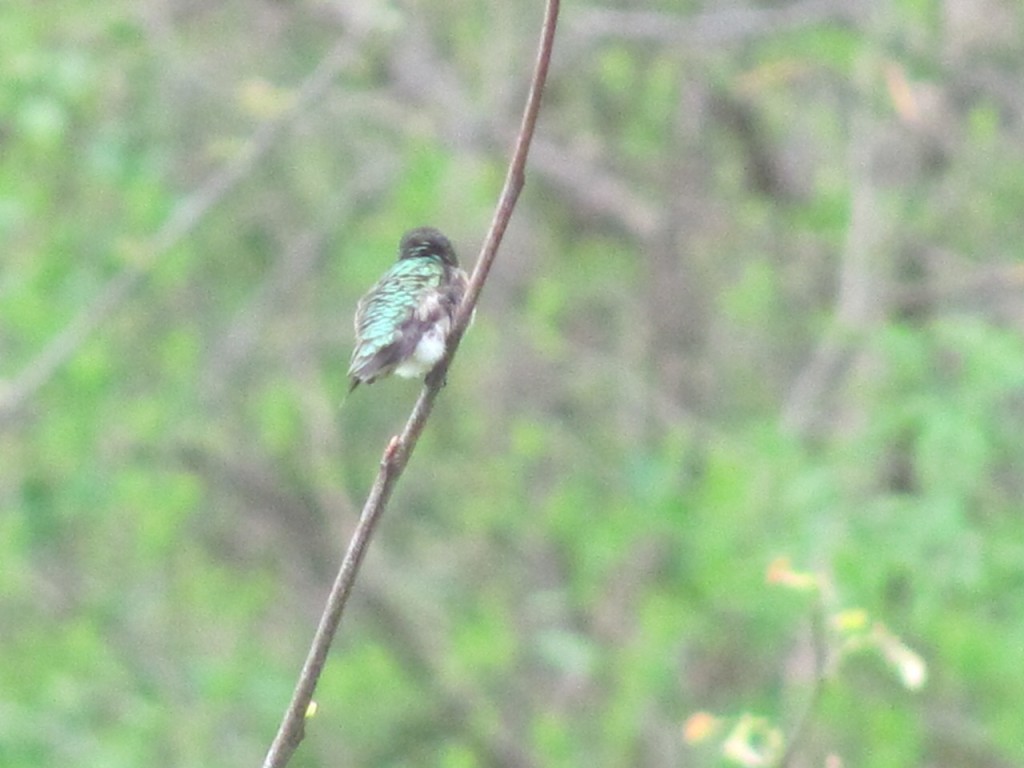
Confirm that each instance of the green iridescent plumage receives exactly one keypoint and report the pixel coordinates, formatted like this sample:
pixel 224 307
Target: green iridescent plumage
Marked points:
pixel 402 323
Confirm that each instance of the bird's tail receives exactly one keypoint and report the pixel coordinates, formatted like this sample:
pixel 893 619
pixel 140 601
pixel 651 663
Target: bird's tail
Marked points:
pixel 351 388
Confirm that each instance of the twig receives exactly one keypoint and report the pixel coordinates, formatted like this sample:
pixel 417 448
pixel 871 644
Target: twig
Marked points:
pixel 189 213
pixel 397 454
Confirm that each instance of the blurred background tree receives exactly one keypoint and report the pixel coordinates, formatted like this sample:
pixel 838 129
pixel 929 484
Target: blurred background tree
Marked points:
pixel 762 298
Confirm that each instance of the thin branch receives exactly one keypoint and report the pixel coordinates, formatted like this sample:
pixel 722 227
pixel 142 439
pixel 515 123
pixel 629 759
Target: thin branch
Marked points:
pixel 188 214
pixel 396 456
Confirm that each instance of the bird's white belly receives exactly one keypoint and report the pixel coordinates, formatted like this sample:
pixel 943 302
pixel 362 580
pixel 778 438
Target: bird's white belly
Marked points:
pixel 428 352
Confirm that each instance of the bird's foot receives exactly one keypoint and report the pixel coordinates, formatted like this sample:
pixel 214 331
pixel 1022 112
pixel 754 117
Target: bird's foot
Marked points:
pixel 434 376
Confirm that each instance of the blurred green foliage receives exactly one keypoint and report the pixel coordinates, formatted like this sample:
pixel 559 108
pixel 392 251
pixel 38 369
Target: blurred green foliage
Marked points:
pixel 579 557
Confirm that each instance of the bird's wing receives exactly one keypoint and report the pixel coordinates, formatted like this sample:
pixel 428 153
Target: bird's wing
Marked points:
pixel 385 333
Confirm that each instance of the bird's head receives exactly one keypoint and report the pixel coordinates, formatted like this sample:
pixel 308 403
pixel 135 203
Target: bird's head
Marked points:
pixel 427 243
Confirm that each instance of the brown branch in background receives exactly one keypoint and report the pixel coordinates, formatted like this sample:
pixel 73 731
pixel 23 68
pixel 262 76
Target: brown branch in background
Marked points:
pixel 820 648
pixel 974 287
pixel 595 190
pixel 714 28
pixel 423 83
pixel 296 263
pixel 188 215
pixel 397 454
pixel 421 641
pixel 860 299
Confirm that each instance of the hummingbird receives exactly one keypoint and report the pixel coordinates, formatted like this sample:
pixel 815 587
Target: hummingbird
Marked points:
pixel 402 323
